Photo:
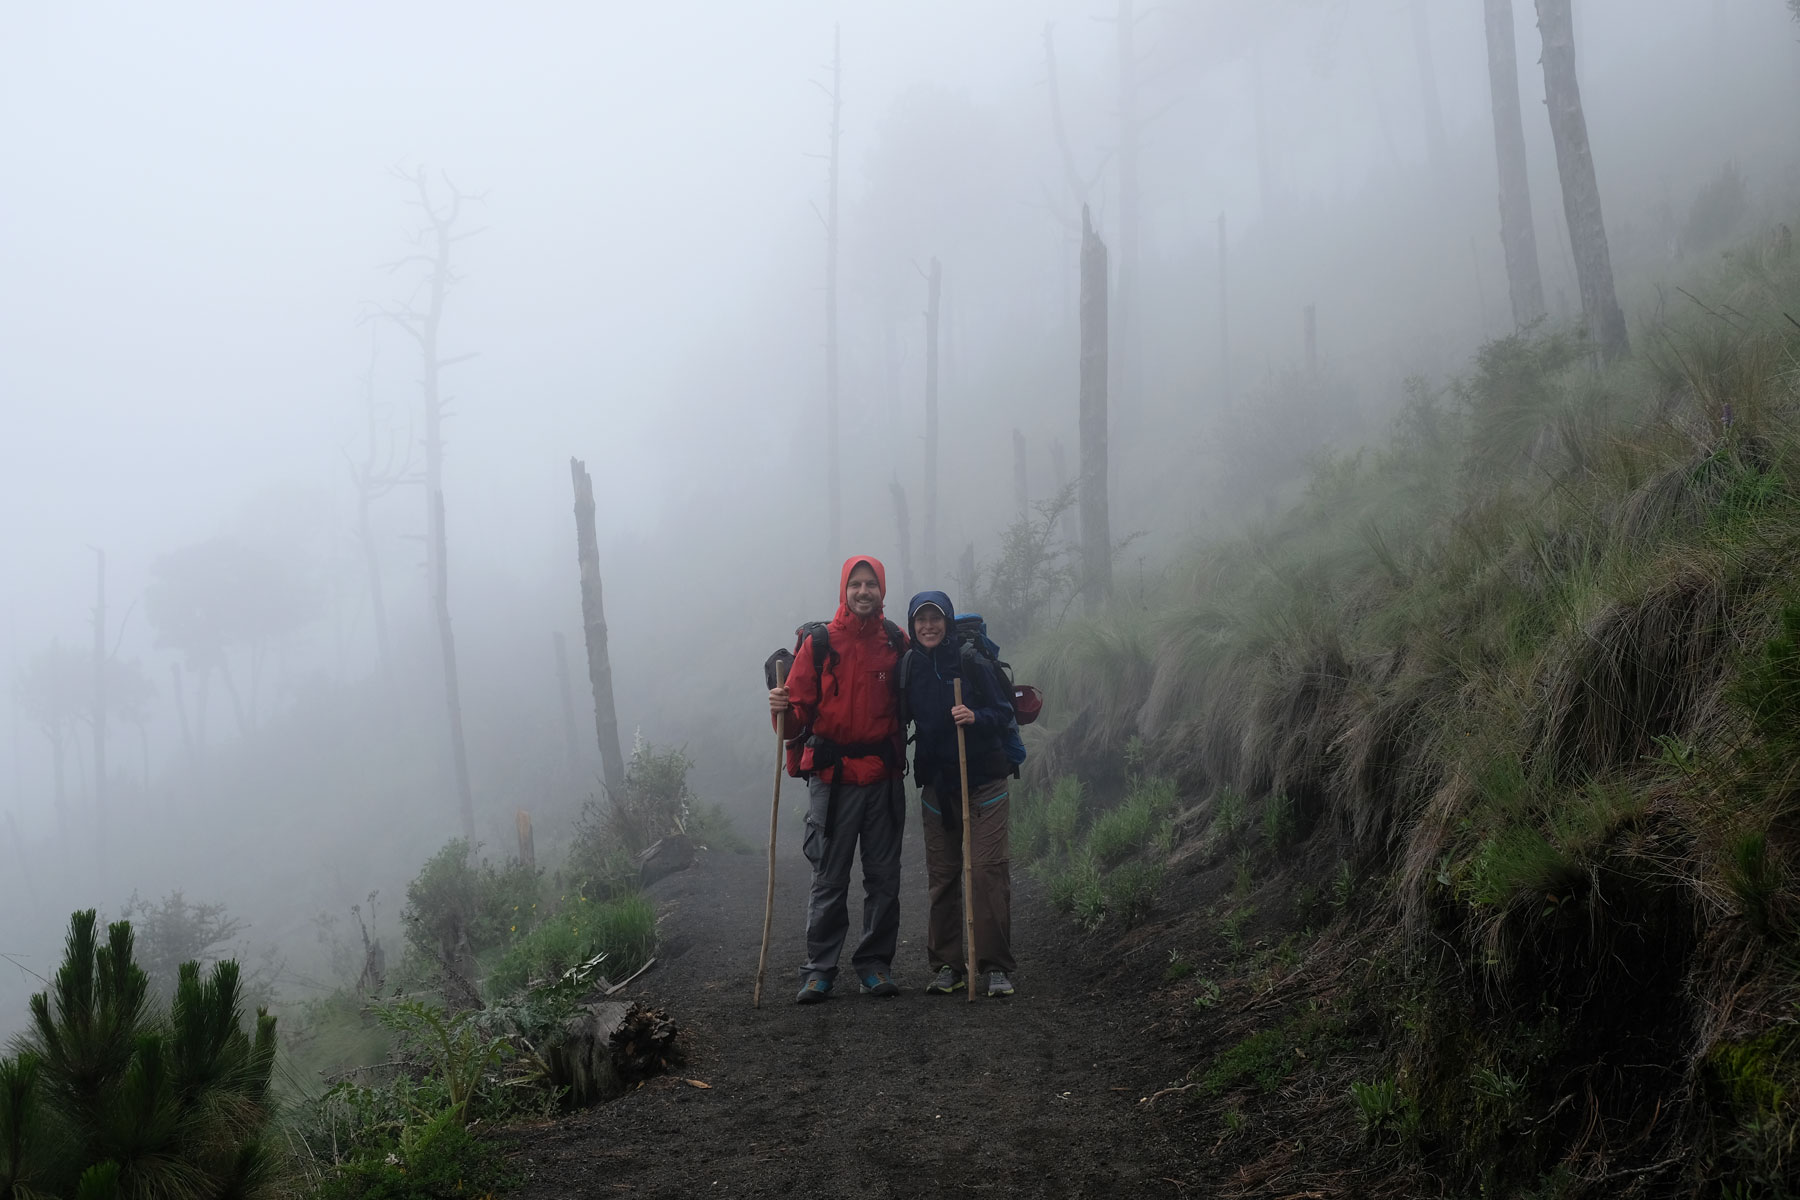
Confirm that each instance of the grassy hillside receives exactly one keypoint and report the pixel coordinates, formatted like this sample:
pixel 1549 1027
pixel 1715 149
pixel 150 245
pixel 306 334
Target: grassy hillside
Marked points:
pixel 1511 706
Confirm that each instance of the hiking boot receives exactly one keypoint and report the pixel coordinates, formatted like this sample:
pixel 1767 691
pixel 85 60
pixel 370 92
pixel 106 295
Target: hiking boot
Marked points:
pixel 877 983
pixel 999 984
pixel 814 990
pixel 948 980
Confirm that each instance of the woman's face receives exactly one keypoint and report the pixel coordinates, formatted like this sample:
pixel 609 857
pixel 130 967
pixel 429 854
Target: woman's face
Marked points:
pixel 928 627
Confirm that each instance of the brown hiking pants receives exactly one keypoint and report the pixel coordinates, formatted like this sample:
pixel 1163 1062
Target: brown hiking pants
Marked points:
pixel 993 878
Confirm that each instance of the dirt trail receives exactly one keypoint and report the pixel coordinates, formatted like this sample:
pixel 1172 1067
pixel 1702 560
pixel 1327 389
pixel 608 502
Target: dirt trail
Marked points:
pixel 1037 1095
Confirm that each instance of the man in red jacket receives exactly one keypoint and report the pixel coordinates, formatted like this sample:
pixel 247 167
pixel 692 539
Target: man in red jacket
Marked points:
pixel 842 695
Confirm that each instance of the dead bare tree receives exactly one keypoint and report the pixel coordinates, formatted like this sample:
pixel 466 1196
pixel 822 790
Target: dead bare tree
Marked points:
pixel 1518 233
pixel 386 465
pixel 933 291
pixel 1580 189
pixel 1123 359
pixel 593 623
pixel 560 648
pixel 1096 536
pixel 437 237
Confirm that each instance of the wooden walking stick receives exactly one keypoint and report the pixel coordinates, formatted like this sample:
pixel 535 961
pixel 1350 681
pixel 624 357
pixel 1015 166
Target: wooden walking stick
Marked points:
pixel 762 959
pixel 968 839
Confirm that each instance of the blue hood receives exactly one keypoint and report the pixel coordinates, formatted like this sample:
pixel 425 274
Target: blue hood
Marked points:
pixel 939 599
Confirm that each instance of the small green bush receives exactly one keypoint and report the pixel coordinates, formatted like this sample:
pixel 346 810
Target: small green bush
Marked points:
pixel 1119 834
pixel 1264 1059
pixel 1130 892
pixel 1026 826
pixel 1228 813
pixel 623 929
pixel 433 1160
pixel 1063 815
pixel 455 903
pixel 1376 1103
pixel 1280 821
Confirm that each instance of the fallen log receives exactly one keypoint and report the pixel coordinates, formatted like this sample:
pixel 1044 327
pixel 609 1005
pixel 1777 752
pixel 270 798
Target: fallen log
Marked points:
pixel 665 856
pixel 608 1047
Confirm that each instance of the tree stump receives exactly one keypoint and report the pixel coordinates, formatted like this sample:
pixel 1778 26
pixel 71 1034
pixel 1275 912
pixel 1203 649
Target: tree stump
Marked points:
pixel 609 1046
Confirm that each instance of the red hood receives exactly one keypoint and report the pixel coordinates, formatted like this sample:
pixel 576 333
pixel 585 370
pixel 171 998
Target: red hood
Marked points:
pixel 844 615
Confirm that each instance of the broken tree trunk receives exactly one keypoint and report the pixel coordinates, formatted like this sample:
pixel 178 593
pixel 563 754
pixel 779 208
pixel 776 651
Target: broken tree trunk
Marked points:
pixel 933 292
pixel 593 623
pixel 1123 360
pixel 1580 188
pixel 440 603
pixel 527 842
pixel 571 751
pixel 1096 535
pixel 1518 233
pixel 965 576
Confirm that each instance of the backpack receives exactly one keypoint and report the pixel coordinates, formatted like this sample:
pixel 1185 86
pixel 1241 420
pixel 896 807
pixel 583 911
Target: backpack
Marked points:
pixel 981 662
pixel 820 633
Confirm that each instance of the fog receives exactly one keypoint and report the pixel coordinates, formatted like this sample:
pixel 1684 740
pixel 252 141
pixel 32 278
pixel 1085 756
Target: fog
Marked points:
pixel 200 210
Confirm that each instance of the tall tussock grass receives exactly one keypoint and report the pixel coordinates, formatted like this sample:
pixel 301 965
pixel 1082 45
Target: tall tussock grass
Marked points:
pixel 1538 659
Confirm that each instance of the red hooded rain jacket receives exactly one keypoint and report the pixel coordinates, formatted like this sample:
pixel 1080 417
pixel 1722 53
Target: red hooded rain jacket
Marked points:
pixel 853 699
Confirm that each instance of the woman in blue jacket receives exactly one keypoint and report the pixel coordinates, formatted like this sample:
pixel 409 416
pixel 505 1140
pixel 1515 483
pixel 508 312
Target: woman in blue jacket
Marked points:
pixel 929 670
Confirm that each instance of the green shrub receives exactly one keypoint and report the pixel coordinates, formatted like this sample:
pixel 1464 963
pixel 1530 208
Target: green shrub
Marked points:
pixel 623 929
pixel 1063 815
pixel 1264 1059
pixel 1376 1103
pixel 654 802
pixel 1228 812
pixel 1027 827
pixel 433 1160
pixel 1119 834
pixel 457 907
pixel 1130 892
pixel 1755 878
pixel 1178 969
pixel 1280 821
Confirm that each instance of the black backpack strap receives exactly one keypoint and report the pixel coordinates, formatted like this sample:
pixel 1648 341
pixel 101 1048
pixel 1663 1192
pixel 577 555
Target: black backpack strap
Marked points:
pixel 821 640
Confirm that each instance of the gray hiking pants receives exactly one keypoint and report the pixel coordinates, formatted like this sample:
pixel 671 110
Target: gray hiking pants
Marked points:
pixel 875 816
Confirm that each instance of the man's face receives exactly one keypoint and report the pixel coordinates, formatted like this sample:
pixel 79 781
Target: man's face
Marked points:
pixel 928 627
pixel 862 593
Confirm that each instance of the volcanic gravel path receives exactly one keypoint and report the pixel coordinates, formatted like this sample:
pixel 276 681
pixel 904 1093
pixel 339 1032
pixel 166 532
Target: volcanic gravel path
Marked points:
pixel 1036 1095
